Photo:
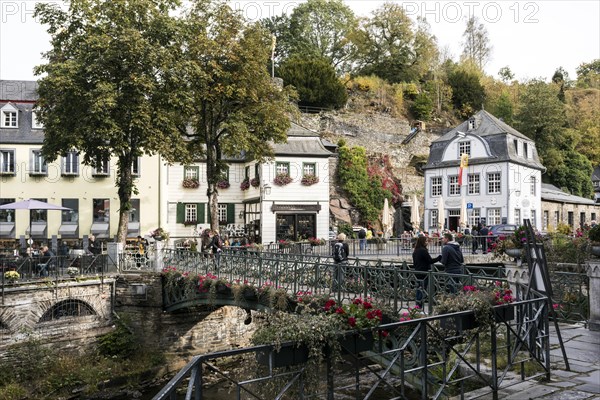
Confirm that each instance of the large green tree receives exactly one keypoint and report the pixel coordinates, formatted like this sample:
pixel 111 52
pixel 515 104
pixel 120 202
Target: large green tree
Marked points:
pixel 467 92
pixel 232 104
pixel 106 89
pixel 315 80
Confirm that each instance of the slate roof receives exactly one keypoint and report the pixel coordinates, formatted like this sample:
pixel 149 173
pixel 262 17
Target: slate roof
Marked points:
pixel 596 174
pixel 301 142
pixel 493 132
pixel 18 90
pixel 552 193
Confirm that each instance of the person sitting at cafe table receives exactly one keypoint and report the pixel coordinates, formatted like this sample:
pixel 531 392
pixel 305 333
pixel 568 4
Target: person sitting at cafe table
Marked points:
pixel 46 258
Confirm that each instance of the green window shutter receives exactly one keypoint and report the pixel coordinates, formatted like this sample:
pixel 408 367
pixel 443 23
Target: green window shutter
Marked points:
pixel 230 213
pixel 200 211
pixel 208 218
pixel 180 213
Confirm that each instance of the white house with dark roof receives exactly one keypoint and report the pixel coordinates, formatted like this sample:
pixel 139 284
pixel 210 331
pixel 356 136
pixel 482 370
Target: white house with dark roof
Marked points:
pixel 265 212
pixel 502 183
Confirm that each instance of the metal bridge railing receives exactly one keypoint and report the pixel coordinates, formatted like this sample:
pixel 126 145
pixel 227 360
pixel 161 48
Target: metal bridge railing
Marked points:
pixel 416 354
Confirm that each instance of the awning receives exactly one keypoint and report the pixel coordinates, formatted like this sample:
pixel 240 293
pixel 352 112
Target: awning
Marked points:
pixel 6 228
pixel 133 229
pixel 37 229
pixel 100 229
pixel 68 230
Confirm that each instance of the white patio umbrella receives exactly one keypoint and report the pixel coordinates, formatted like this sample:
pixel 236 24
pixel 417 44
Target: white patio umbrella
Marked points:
pixel 463 213
pixel 441 213
pixel 386 220
pixel 31 204
pixel 415 216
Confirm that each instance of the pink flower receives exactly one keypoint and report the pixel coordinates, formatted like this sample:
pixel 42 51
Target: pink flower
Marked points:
pixel 383 333
pixel 340 310
pixel 352 321
pixel 357 301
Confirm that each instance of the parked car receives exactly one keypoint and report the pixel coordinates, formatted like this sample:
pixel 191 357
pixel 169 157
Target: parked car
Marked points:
pixel 502 230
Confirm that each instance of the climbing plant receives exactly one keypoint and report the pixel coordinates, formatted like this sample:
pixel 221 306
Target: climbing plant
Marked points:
pixel 365 192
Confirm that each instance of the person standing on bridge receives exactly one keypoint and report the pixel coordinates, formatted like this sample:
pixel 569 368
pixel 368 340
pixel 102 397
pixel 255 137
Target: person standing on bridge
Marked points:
pixel 422 263
pixel 340 258
pixel 453 261
pixel 216 245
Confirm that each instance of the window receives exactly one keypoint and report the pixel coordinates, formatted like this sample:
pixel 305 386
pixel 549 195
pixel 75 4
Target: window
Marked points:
pixel 494 183
pixel 225 174
pixel 191 213
pixel 72 215
pixel 7 161
pixel 70 164
pixel 516 145
pixel 38 164
pixel 533 218
pixel 433 219
pixel 191 172
pixel 282 168
pixel 135 167
pixel 436 186
pixel 475 217
pixel 556 218
pixel 39 215
pixel 309 169
pixel 295 226
pixel 7 215
pixel 570 218
pixel 581 219
pixel 103 168
pixel 246 173
pixel 533 182
pixel 464 148
pixel 9 117
pixel 473 183
pixel 453 188
pixel 545 221
pixel 493 216
pixel 596 184
pixel 256 170
pixel 35 124
pixel 525 151
pixel 518 148
pixel 517 216
pixel 101 209
pixel 593 217
pixel 222 213
pixel 134 213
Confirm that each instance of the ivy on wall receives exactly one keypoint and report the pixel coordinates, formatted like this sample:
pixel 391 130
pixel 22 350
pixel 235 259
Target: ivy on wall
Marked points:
pixel 365 192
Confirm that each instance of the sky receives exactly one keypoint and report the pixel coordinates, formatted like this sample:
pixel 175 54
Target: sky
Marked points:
pixel 533 38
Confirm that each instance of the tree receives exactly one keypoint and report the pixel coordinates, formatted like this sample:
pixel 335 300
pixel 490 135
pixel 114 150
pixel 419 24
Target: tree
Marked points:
pixel 504 108
pixel 324 28
pixel 505 74
pixel 315 81
pixel 422 107
pixel 588 75
pixel 467 92
pixel 476 45
pixel 232 104
pixel 108 87
pixel 561 78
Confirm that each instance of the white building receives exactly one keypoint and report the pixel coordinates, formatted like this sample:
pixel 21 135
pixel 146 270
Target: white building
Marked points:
pixel 501 185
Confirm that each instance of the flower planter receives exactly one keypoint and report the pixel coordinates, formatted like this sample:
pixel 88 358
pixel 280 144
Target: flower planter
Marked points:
pixel 249 294
pixel 459 323
pixel 223 289
pixel 355 343
pixel 513 253
pixel 287 356
pixel 504 313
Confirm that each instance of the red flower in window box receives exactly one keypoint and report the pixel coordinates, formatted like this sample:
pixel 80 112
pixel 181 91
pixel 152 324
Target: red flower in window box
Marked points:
pixel 191 183
pixel 282 179
pixel 309 180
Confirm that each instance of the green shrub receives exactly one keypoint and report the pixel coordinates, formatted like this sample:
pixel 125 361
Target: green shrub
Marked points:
pixel 422 107
pixel 564 229
pixel 118 343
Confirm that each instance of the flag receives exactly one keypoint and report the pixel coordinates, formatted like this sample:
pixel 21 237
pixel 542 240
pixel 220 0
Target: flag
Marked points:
pixel 464 163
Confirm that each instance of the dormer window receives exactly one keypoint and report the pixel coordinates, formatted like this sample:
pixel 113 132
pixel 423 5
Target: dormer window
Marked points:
pixel 472 124
pixel 35 123
pixel 8 116
pixel 464 148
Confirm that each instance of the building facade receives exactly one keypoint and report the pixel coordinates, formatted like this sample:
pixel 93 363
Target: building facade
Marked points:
pixel 559 207
pixel 500 185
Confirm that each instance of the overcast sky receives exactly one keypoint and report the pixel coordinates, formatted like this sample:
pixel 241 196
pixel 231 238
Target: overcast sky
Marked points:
pixel 533 38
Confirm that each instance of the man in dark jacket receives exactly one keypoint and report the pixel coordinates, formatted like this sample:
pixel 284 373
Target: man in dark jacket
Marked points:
pixel 483 233
pixel 422 262
pixel 452 259
pixel 216 246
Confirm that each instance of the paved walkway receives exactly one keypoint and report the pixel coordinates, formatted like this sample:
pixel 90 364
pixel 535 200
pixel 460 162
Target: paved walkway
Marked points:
pixel 581 382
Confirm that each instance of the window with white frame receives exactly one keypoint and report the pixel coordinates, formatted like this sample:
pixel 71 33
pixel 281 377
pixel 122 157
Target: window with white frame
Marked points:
pixel 282 168
pixel 38 164
pixel 533 183
pixel 135 167
pixel 493 216
pixel 191 172
pixel 309 169
pixel 103 168
pixel 191 213
pixel 517 216
pixel 9 117
pixel 7 161
pixel 70 163
pixel 525 150
pixel 453 188
pixel 545 220
pixel 464 148
pixel 533 215
pixel 436 186
pixel 474 217
pixel 518 145
pixel 473 183
pixel 223 213
pixel 35 123
pixel 494 183
pixel 433 218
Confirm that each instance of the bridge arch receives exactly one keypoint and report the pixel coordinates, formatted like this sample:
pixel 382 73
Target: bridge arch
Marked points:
pixel 68 308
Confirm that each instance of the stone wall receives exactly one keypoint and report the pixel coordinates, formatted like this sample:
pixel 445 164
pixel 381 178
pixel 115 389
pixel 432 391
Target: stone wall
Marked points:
pixel 564 209
pixel 180 334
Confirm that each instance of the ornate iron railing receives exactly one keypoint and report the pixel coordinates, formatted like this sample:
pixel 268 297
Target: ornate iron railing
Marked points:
pixel 416 356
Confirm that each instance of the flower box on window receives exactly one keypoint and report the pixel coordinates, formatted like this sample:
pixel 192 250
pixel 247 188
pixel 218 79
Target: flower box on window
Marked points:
pixel 191 183
pixel 255 182
pixel 308 180
pixel 245 185
pixel 223 184
pixel 282 179
pixel 186 223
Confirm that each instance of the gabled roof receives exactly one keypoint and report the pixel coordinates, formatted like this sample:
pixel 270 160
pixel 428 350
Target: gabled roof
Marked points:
pixel 301 142
pixel 487 125
pixel 18 91
pixel 24 134
pixel 552 193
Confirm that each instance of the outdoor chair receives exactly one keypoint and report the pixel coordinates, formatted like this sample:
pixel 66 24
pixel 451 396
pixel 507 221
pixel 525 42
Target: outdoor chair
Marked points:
pixel 44 268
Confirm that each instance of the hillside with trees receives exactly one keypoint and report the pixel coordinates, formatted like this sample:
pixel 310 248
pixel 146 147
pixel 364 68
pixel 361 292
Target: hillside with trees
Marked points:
pixel 392 65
